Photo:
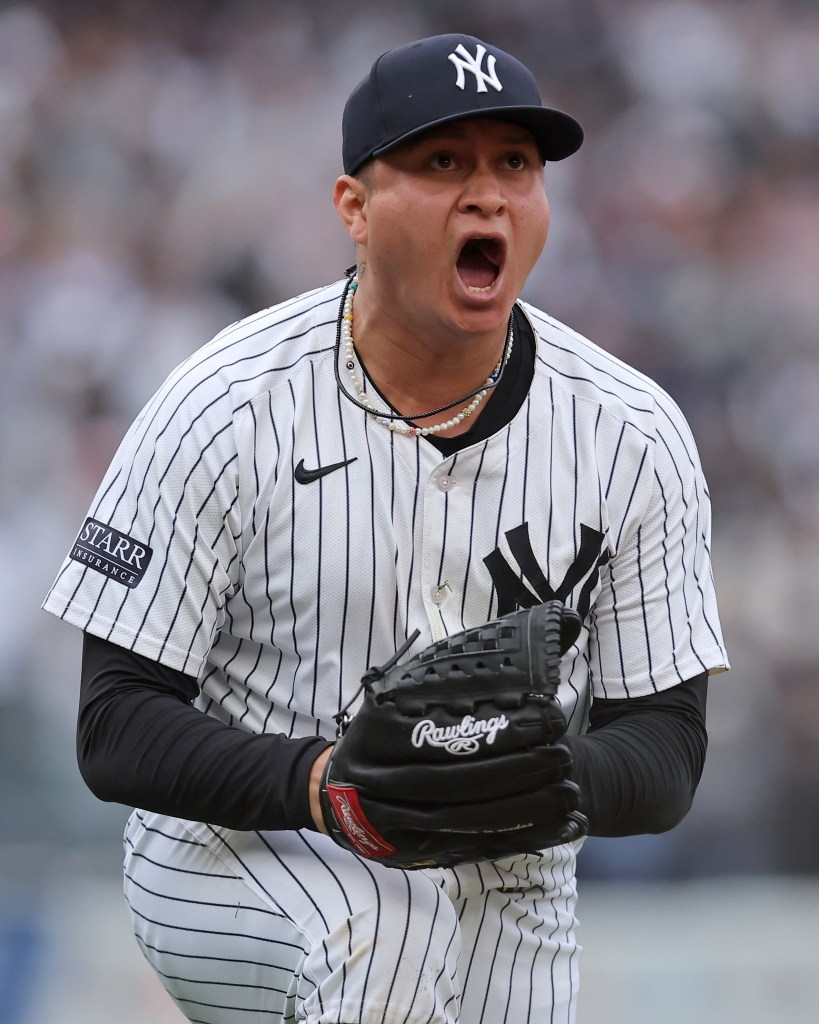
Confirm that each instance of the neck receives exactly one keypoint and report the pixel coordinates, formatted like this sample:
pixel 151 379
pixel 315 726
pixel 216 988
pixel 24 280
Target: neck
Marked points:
pixel 413 392
pixel 422 363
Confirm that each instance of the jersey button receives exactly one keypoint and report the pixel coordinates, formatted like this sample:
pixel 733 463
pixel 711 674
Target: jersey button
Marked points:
pixel 439 593
pixel 446 483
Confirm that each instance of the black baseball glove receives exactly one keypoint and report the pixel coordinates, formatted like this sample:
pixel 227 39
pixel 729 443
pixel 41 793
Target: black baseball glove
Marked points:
pixel 453 756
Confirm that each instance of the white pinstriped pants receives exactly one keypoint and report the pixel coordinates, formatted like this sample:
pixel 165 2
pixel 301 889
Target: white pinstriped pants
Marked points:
pixel 286 926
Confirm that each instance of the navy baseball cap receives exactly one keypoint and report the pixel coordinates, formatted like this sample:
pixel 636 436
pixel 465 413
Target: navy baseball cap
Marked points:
pixel 420 85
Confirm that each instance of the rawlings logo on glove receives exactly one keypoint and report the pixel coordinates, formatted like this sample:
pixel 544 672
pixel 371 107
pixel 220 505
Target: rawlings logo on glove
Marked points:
pixel 458 739
pixel 454 755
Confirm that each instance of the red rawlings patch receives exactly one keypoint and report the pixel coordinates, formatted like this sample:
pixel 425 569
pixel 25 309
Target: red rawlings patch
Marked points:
pixel 363 837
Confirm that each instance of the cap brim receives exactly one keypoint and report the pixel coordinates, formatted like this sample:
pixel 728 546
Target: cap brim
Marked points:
pixel 558 135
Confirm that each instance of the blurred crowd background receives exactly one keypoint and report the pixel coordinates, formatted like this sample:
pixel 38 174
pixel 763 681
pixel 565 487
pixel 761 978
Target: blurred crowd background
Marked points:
pixel 166 168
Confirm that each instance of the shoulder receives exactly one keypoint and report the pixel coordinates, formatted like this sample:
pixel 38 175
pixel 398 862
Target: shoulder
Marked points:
pixel 585 372
pixel 197 406
pixel 250 356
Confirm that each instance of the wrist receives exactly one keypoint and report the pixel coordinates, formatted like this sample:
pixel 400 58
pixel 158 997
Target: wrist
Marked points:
pixel 316 774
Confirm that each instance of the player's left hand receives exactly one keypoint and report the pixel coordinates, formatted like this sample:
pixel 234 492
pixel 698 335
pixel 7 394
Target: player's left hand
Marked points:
pixel 454 755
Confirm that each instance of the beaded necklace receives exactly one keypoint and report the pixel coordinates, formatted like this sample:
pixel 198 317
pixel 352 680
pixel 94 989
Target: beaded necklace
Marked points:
pixel 395 421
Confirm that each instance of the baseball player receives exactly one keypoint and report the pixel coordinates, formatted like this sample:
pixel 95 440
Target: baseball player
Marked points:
pixel 407 460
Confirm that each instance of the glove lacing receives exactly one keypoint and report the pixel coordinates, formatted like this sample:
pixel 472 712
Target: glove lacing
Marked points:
pixel 373 673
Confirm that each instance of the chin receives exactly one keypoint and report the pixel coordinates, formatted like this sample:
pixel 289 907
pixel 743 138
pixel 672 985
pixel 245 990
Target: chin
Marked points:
pixel 483 321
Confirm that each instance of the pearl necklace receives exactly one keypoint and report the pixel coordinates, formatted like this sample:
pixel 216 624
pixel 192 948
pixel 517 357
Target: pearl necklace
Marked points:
pixel 393 421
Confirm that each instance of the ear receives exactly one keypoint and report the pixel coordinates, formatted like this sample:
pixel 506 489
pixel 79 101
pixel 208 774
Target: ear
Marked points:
pixel 350 201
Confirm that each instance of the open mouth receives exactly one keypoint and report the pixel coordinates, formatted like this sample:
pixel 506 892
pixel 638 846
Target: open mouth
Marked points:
pixel 480 262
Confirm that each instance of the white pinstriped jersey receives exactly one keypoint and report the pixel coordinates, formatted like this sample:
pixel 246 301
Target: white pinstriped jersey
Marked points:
pixel 203 551
pixel 259 531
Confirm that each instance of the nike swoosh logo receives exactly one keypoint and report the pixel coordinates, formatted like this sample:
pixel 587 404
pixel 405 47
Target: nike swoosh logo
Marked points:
pixel 307 476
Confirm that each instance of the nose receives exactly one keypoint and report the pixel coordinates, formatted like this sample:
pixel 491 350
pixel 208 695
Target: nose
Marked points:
pixel 482 193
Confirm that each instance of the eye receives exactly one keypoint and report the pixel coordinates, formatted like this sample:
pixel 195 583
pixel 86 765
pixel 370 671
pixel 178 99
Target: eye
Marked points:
pixel 516 161
pixel 442 161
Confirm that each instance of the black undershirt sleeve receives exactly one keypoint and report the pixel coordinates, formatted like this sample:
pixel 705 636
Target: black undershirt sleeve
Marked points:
pixel 640 762
pixel 140 742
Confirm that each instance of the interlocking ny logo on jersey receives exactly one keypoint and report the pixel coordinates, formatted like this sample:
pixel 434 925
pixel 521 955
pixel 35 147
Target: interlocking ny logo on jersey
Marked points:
pixel 509 583
pixel 115 555
pixel 464 61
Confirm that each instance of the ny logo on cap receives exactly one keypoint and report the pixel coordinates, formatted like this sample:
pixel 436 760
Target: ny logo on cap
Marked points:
pixel 463 61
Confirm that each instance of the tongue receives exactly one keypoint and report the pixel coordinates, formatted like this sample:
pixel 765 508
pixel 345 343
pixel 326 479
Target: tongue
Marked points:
pixel 475 268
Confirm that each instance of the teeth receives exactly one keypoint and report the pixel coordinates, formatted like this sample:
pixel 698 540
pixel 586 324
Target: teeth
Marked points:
pixel 472 288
